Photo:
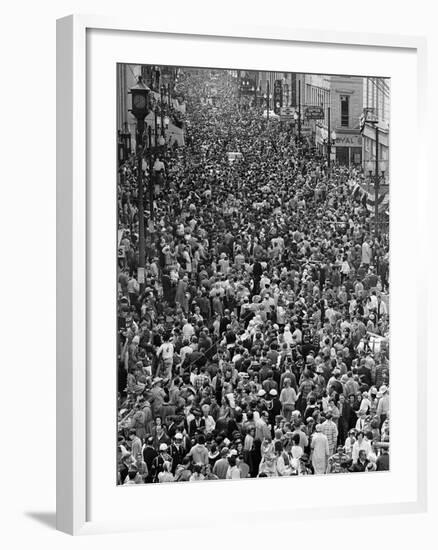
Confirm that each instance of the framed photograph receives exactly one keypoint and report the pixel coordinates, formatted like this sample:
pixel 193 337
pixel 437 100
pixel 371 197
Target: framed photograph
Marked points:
pixel 233 253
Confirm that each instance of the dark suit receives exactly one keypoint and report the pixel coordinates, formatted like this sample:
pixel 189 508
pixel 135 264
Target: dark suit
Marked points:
pixel 359 467
pixel 194 426
pixel 364 375
pixel 344 422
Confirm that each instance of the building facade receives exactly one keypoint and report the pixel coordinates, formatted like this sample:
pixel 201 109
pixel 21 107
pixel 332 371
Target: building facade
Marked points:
pixel 376 99
pixel 346 106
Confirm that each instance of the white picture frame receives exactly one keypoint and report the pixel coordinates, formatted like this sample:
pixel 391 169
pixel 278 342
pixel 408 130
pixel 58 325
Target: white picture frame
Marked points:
pixel 77 213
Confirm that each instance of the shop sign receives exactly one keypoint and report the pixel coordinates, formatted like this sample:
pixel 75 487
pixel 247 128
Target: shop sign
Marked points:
pixel 314 112
pixel 348 141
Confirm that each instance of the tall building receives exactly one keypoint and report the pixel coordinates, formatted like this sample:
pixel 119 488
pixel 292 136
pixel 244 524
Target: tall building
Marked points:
pixel 346 103
pixel 376 98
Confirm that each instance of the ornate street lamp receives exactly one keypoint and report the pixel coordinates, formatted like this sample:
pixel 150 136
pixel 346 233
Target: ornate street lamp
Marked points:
pixel 140 95
pixel 267 97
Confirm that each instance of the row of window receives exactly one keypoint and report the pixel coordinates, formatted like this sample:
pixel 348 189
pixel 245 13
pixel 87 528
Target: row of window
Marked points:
pixel 315 96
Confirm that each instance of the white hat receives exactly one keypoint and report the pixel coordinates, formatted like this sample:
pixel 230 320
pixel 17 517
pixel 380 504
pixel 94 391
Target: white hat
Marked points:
pixel 163 447
pixel 178 435
pixel 273 392
pixel 383 389
pixel 261 393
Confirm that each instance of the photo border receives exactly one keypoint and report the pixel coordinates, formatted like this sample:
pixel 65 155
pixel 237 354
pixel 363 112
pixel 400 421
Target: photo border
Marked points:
pixel 72 238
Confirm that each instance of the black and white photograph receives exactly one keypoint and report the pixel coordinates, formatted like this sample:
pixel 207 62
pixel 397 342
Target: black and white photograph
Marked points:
pixel 252 255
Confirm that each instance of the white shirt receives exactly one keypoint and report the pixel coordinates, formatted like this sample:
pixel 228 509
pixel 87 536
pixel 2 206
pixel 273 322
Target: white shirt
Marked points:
pixel 166 351
pixel 210 424
pixel 364 446
pixel 188 331
pixel 360 424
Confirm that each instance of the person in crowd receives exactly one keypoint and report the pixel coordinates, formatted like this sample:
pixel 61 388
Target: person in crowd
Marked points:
pixel 320 450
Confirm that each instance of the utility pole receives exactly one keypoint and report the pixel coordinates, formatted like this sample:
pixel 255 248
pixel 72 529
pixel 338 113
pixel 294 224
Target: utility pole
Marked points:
pixel 151 177
pixel 329 139
pixel 299 112
pixel 162 109
pixel 376 184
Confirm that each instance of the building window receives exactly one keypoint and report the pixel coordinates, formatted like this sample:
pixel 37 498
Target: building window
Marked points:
pixel 345 109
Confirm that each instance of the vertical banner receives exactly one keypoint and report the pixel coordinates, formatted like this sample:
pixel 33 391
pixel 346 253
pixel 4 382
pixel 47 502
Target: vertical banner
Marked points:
pixel 278 96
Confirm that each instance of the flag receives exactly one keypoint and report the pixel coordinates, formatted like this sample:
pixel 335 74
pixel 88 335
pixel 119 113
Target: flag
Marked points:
pixel 382 202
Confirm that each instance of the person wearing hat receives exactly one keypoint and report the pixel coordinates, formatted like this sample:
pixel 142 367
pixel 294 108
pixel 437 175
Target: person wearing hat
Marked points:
pixel 158 462
pixel 274 408
pixel 177 451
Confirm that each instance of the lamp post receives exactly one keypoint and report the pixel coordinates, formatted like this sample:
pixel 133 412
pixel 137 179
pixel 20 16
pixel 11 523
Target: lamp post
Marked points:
pixel 151 176
pixel 267 97
pixel 299 111
pixel 377 183
pixel 140 95
pixel 162 90
pixel 297 121
pixel 369 116
pixel 331 138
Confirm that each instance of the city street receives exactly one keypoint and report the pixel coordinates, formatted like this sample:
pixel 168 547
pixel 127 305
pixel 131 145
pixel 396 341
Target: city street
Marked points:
pixel 253 261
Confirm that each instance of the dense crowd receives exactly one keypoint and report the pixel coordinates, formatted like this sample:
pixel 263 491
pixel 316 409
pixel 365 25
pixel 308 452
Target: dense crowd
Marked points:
pixel 257 343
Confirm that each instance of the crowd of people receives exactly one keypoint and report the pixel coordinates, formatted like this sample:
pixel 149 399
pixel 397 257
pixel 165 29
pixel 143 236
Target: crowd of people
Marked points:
pixel 255 342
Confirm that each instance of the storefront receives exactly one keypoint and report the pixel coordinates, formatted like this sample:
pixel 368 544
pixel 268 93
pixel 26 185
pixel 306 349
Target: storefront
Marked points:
pixel 348 149
pixel 369 148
